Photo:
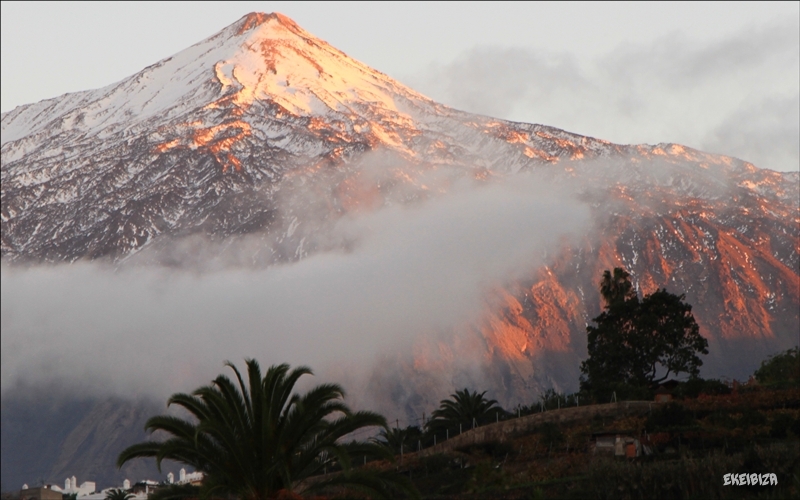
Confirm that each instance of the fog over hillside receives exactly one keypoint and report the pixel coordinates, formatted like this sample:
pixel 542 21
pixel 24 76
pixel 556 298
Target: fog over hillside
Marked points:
pixel 142 330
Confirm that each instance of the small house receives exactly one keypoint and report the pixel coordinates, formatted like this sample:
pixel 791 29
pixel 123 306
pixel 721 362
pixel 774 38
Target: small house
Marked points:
pixel 665 391
pixel 616 443
pixel 42 493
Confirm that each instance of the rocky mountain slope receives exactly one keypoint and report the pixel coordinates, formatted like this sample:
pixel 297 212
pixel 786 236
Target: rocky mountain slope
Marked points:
pixel 50 439
pixel 265 133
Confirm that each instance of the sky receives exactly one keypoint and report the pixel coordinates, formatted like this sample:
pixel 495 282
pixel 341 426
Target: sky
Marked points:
pixel 721 77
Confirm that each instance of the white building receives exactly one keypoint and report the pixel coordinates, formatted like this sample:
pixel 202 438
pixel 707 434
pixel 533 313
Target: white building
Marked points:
pixel 71 486
pixel 190 478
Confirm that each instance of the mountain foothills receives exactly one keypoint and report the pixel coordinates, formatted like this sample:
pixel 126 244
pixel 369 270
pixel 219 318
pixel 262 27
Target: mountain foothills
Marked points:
pixel 246 148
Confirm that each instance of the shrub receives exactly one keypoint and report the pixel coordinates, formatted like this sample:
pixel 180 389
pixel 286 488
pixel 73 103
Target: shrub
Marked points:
pixel 781 425
pixel 751 418
pixel 673 416
pixel 722 419
pixel 551 434
pixel 494 449
pixel 435 464
pixel 695 386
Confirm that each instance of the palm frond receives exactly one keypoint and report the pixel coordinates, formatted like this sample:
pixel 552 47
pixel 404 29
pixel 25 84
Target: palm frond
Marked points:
pixel 254 436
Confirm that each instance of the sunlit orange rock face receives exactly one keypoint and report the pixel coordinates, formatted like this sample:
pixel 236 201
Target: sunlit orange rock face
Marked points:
pixel 734 257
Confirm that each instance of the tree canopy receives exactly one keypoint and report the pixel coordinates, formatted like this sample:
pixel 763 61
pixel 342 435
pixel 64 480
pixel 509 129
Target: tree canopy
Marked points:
pixel 257 439
pixel 638 343
pixel 118 494
pixel 781 370
pixel 463 407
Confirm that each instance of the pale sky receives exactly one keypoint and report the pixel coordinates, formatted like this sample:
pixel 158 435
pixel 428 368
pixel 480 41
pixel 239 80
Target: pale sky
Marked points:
pixel 722 77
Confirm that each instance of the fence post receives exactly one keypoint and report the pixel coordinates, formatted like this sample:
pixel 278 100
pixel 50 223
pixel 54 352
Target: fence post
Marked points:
pixel 474 422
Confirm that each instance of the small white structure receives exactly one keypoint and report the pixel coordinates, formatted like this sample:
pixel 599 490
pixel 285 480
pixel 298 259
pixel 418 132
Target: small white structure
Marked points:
pixel 170 478
pixel 126 485
pixel 25 486
pixel 190 478
pixel 86 488
pixel 71 486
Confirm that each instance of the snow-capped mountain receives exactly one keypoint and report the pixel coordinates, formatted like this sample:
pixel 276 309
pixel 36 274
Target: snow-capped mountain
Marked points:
pixel 203 140
pixel 225 140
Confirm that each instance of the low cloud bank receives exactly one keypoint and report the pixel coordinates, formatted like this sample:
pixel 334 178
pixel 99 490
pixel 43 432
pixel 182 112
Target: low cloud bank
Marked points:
pixel 91 330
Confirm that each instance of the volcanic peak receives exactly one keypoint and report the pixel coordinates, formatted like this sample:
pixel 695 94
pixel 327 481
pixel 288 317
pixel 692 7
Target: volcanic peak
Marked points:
pixel 260 57
pixel 269 57
pixel 256 19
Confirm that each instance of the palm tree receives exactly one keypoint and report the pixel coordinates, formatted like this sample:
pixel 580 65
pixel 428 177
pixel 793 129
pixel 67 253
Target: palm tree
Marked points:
pixel 258 441
pixel 399 439
pixel 118 494
pixel 464 408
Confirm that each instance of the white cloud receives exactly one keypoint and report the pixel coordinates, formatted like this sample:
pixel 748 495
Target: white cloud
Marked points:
pixel 736 96
pixel 145 330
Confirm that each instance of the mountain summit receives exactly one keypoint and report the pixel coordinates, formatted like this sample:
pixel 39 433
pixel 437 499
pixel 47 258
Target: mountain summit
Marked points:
pixel 261 57
pixel 202 140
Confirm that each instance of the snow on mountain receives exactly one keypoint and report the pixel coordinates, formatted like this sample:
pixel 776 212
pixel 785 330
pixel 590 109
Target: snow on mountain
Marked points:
pixel 197 142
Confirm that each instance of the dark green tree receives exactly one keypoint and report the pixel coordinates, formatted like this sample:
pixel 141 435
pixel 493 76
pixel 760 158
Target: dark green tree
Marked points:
pixel 258 439
pixel 395 438
pixel 463 408
pixel 616 287
pixel 635 344
pixel 118 494
pixel 780 371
